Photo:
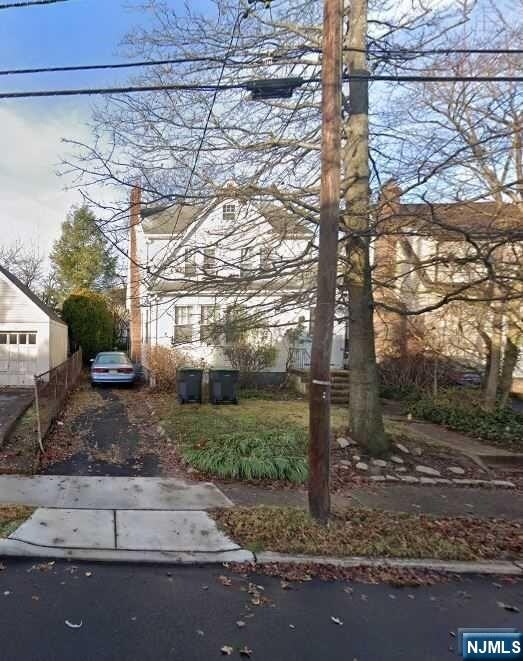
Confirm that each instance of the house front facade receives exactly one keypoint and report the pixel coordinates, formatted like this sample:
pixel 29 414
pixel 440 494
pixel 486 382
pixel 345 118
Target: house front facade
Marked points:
pixel 33 339
pixel 205 274
pixel 460 265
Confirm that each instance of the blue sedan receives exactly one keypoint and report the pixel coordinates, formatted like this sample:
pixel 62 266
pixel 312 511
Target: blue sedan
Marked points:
pixel 112 367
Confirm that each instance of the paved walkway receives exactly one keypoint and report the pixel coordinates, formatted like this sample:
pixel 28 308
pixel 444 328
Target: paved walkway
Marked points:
pixel 134 493
pixel 442 501
pixel 440 436
pixel 13 404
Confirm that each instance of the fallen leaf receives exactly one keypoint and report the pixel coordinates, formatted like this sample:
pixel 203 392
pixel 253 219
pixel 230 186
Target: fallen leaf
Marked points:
pixel 336 620
pixel 227 650
pixel 74 626
pixel 7 593
pixel 285 585
pixel 35 598
pixel 508 607
pixel 200 632
pixel 240 623
pixel 225 580
pixel 88 574
pixel 245 651
pixel 348 590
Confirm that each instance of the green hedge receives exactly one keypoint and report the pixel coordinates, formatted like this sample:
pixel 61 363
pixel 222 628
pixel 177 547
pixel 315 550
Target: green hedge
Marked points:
pixel 90 322
pixel 461 411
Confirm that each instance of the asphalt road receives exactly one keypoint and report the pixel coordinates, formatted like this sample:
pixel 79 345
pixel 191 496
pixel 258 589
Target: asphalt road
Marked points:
pixel 160 613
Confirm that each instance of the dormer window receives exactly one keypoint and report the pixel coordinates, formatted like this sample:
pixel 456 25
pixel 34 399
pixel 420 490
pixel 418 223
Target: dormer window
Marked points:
pixel 229 212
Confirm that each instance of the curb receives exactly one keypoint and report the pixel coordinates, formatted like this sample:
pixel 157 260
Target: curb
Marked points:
pixel 14 548
pixel 10 548
pixel 496 567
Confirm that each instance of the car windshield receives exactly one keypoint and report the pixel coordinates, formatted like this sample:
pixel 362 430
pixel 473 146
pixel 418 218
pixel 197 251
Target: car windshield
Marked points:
pixel 112 359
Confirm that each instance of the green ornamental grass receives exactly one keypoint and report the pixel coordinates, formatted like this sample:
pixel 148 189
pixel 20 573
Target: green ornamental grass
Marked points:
pixel 253 455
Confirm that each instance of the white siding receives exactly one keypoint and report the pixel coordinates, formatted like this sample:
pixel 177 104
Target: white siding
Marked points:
pixel 15 307
pixel 58 343
pixel 19 315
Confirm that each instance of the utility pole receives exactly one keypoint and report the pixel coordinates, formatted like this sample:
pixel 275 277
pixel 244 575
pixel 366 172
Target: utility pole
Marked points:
pixel 320 387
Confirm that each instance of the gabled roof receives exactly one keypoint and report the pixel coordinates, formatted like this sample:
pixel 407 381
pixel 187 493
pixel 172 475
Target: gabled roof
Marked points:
pixel 477 218
pixel 31 296
pixel 176 218
pixel 172 219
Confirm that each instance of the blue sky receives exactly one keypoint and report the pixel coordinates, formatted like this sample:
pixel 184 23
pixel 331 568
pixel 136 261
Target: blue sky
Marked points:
pixel 34 202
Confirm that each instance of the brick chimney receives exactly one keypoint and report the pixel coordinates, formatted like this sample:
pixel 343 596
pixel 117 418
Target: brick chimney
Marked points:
pixel 135 311
pixel 389 327
pixel 385 254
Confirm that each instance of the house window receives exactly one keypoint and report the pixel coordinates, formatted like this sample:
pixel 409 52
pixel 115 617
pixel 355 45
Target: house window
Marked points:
pixel 182 323
pixel 209 260
pixel 3 338
pixel 13 339
pixel 208 316
pixel 32 338
pixel 189 263
pixel 229 212
pixel 22 338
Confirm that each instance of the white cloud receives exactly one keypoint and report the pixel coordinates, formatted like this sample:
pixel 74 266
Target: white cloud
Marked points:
pixel 33 200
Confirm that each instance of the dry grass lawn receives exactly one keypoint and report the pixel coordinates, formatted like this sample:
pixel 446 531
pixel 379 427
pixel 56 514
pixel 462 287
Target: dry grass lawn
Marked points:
pixel 370 533
pixel 12 516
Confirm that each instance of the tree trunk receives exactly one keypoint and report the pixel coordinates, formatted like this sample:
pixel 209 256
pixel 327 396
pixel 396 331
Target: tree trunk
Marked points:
pixel 510 360
pixel 366 420
pixel 492 379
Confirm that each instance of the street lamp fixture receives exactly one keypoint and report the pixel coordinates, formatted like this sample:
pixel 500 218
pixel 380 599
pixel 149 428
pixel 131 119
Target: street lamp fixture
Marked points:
pixel 280 88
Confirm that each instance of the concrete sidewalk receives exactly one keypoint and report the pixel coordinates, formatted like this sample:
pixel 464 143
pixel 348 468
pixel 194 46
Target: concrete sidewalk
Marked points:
pixel 111 493
pixel 123 535
pixel 118 519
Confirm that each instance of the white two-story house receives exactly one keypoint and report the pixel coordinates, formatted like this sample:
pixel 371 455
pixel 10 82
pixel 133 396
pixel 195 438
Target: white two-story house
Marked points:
pixel 200 272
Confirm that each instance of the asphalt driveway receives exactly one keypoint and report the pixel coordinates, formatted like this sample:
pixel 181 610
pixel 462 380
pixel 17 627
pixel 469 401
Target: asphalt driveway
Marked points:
pixel 103 431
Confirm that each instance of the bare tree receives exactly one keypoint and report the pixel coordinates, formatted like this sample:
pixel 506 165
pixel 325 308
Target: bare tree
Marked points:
pixel 26 262
pixel 186 146
pixel 467 141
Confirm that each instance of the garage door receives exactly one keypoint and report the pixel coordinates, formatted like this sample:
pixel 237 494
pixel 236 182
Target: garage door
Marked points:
pixel 18 353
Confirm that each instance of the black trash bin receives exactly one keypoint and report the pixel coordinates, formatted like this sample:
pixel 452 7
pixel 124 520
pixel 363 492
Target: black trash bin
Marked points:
pixel 223 386
pixel 189 384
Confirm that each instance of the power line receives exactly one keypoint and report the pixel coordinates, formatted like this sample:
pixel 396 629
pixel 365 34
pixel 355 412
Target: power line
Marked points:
pixel 261 58
pixel 93 91
pixel 235 86
pixel 29 3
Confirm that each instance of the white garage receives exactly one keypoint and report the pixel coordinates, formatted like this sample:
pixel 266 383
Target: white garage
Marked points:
pixel 33 339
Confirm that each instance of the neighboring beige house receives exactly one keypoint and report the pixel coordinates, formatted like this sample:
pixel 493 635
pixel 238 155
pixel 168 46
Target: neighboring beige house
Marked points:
pixel 427 252
pixel 33 339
